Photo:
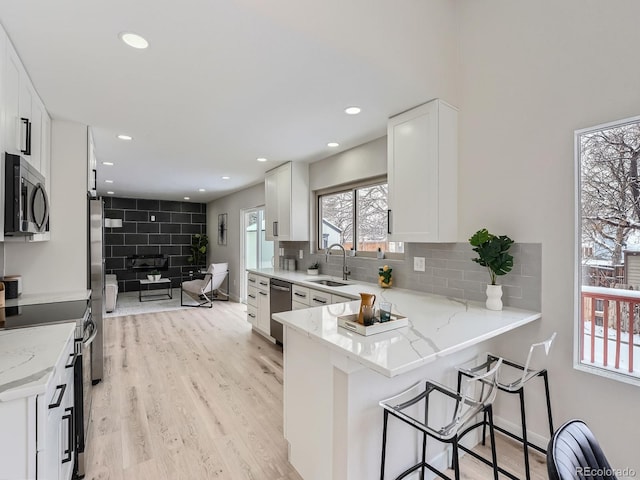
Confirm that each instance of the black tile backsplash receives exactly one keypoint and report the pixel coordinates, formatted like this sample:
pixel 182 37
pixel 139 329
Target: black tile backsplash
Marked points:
pixel 169 234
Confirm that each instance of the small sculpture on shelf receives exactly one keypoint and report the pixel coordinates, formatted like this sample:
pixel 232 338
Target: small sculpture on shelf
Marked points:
pixel 385 279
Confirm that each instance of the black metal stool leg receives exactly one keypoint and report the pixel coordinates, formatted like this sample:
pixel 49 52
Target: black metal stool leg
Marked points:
pixel 424 455
pixel 494 455
pixel 546 391
pixel 384 443
pixel 525 443
pixel 484 427
pixel 456 459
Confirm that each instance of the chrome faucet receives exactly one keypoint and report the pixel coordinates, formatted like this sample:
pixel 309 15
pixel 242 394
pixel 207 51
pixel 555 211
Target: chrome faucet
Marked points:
pixel 345 270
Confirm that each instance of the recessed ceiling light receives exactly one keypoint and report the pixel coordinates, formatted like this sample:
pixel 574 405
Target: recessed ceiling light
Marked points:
pixel 109 193
pixel 261 159
pixel 333 144
pixel 187 198
pixel 134 40
pixel 108 181
pixel 108 164
pixel 125 137
pixel 201 190
pixel 352 110
pixel 226 178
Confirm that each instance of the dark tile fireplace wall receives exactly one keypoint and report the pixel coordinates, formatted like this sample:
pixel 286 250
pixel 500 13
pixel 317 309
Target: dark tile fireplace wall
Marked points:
pixel 168 234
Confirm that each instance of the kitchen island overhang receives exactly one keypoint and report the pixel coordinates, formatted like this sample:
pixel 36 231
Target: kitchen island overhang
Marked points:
pixel 334 378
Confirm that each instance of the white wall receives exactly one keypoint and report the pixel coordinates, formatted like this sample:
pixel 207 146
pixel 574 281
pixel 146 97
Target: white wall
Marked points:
pixel 531 74
pixel 231 252
pixel 364 161
pixel 59 265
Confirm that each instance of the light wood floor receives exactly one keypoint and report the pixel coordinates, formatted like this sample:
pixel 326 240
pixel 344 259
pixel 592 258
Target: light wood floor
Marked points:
pixel 194 394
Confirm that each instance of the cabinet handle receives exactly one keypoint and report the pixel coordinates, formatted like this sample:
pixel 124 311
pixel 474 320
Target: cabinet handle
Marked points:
pixel 281 289
pixel 95 179
pixel 319 300
pixel 252 280
pixel 264 284
pixel 70 435
pixel 251 296
pixel 389 221
pixel 252 315
pixel 58 402
pixel 27 137
pixel 74 355
pixel 275 229
pixel 298 294
pixel 262 293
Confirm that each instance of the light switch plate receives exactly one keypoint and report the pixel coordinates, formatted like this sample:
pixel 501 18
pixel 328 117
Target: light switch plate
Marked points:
pixel 418 264
pixel 301 255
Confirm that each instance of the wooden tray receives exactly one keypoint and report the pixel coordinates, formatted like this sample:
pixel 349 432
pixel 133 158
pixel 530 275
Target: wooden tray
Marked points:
pixel 350 322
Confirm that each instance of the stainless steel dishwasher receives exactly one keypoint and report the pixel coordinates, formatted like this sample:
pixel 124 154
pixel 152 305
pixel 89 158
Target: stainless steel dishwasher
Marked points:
pixel 280 293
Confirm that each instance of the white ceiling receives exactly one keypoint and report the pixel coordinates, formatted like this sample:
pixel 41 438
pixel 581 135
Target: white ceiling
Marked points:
pixel 226 81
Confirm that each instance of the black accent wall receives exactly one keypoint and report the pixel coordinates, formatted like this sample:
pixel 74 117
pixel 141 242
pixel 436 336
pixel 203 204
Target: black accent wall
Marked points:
pixel 169 234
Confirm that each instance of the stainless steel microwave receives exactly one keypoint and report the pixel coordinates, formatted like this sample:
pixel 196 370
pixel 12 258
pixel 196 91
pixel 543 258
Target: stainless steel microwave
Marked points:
pixel 26 204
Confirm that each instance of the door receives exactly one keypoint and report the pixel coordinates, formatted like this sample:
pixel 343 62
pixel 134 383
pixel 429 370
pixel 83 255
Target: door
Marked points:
pixel 257 251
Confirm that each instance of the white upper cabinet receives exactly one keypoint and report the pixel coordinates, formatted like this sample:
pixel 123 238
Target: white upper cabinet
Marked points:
pixel 25 125
pixel 287 202
pixel 423 174
pixel 25 115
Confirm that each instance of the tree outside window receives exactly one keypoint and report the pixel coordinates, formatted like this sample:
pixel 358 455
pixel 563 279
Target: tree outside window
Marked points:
pixel 356 218
pixel 608 308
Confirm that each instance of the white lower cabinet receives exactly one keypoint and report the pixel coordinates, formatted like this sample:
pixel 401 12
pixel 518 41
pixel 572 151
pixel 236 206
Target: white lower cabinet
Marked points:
pixel 318 298
pixel 258 307
pixel 298 306
pixel 264 316
pixel 37 439
pixel 252 315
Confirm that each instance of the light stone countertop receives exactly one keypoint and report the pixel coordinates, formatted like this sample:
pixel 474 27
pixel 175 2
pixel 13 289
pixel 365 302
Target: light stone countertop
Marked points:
pixel 28 357
pixel 37 298
pixel 438 326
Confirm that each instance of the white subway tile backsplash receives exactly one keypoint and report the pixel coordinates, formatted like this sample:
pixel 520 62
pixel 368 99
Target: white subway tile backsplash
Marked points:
pixel 449 271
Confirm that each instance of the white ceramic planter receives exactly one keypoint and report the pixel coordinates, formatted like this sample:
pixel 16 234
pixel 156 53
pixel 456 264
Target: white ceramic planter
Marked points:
pixel 494 297
pixel 312 271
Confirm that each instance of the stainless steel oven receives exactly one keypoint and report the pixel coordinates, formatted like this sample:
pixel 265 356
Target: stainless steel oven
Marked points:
pixel 26 207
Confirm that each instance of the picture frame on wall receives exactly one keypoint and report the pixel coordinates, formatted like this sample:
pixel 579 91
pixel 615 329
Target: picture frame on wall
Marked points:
pixel 222 229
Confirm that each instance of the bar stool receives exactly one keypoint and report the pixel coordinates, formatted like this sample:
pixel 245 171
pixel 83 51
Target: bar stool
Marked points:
pixel 516 386
pixel 476 396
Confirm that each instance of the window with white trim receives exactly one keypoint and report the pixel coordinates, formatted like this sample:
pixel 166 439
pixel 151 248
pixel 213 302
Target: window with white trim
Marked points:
pixel 608 250
pixel 356 218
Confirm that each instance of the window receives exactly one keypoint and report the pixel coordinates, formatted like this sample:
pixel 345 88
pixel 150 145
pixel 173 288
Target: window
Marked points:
pixel 356 218
pixel 608 250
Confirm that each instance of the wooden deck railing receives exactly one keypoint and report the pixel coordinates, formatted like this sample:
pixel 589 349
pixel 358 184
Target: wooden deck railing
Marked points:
pixel 617 311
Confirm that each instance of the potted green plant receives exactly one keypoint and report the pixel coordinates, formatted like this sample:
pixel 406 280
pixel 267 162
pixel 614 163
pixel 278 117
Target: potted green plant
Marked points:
pixel 153 276
pixel 493 253
pixel 385 278
pixel 198 249
pixel 313 269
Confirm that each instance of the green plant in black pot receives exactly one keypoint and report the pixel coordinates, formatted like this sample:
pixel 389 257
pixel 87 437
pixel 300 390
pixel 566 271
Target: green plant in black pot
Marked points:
pixel 493 252
pixel 198 248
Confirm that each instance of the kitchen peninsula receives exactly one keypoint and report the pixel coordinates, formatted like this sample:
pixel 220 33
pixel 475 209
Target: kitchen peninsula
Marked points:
pixel 334 378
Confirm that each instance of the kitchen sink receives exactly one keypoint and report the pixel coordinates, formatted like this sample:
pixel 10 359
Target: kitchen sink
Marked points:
pixel 329 283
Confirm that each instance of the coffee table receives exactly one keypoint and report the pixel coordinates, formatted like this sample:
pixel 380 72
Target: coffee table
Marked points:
pixel 164 282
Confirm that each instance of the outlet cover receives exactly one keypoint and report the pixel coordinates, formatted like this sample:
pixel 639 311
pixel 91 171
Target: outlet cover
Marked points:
pixel 301 255
pixel 418 264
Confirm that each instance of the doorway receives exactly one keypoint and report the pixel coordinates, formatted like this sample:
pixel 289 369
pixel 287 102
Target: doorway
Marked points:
pixel 257 252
